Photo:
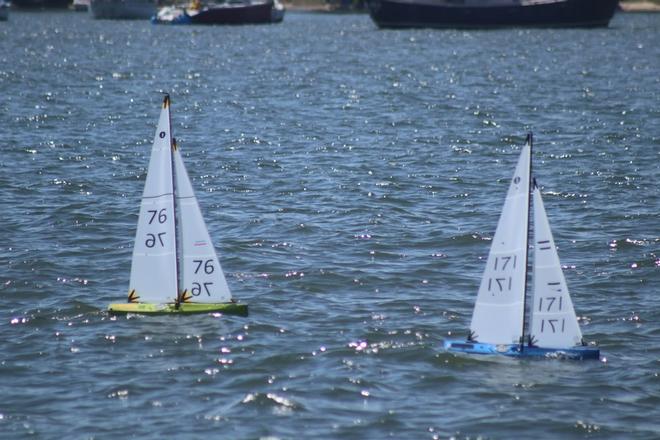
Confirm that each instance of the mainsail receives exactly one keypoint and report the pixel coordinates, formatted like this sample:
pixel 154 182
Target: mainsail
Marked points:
pixel 202 278
pixel 499 309
pixel 153 269
pixel 553 321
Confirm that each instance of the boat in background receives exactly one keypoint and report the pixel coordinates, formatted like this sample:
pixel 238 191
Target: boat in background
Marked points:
pixel 4 10
pixel 498 321
pixel 122 9
pixel 175 268
pixel 232 13
pixel 80 5
pixel 491 13
pixel 40 4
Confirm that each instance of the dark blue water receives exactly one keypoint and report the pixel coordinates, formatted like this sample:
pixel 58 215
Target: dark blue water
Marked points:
pixel 351 179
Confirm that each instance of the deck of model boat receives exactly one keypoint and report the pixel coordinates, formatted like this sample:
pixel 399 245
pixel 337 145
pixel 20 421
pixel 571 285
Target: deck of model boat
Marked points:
pixel 183 308
pixel 520 351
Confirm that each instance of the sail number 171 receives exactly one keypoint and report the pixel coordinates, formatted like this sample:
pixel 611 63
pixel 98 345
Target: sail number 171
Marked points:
pixel 502 263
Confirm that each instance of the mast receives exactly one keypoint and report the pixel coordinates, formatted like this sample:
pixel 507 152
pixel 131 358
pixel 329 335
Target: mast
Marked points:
pixel 528 141
pixel 174 207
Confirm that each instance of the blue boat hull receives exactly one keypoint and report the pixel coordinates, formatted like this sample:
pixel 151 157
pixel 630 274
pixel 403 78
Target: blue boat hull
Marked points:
pixel 522 351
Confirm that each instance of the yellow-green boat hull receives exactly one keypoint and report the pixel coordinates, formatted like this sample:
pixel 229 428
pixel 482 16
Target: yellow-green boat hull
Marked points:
pixel 184 308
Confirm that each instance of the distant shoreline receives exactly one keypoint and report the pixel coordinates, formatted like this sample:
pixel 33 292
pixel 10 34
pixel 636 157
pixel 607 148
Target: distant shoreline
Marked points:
pixel 318 6
pixel 307 7
pixel 639 6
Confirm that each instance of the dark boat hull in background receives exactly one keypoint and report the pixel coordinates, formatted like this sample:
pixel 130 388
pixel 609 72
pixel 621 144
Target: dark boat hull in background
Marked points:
pixel 237 14
pixel 259 12
pixel 4 11
pixel 491 13
pixel 40 4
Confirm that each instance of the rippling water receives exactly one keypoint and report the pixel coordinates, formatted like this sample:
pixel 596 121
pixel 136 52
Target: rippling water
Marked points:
pixel 351 179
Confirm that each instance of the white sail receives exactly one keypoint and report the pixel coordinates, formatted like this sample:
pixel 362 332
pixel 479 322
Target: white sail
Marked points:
pixel 202 278
pixel 153 269
pixel 553 321
pixel 499 309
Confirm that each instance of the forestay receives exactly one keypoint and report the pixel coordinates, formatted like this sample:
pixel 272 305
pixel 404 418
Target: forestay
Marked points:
pixel 202 278
pixel 553 321
pixel 499 309
pixel 153 268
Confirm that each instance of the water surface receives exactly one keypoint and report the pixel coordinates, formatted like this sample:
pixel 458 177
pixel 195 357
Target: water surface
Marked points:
pixel 351 179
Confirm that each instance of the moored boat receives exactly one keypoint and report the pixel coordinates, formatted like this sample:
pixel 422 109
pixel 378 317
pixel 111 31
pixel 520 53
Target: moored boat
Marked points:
pixel 4 10
pixel 491 13
pixel 40 4
pixel 80 5
pixel 122 9
pixel 242 12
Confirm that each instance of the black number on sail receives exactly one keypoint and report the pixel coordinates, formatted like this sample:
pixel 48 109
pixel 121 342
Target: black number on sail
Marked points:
pixel 151 240
pixel 208 266
pixel 555 285
pixel 551 300
pixel 162 216
pixel 505 261
pixel 553 325
pixel 197 288
pixel 500 284
pixel 544 245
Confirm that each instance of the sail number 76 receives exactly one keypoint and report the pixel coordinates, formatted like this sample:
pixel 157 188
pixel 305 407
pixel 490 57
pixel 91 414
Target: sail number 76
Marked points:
pixel 208 266
pixel 162 215
pixel 151 239
pixel 204 287
pixel 196 290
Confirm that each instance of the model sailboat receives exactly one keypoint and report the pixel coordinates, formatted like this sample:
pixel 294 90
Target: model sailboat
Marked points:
pixel 175 268
pixel 498 321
